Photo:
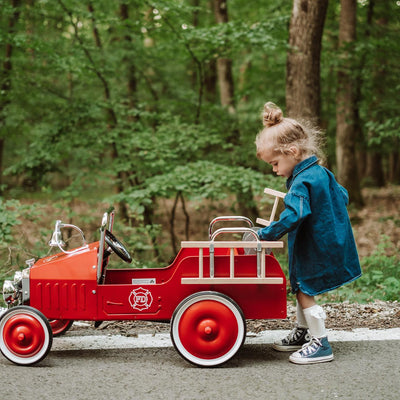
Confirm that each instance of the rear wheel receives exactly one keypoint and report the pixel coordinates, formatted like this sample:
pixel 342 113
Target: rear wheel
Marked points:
pixel 208 328
pixel 60 326
pixel 25 335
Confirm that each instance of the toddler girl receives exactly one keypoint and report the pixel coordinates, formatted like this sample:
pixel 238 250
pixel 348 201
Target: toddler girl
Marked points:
pixel 322 250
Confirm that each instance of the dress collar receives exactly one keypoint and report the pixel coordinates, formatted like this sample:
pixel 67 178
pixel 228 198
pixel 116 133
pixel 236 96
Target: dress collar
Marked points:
pixel 300 167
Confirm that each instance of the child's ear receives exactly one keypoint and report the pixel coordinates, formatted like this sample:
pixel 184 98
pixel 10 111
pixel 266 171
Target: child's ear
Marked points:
pixel 294 151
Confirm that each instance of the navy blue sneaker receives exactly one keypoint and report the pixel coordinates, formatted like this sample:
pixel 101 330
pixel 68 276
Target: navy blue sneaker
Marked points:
pixel 316 351
pixel 294 341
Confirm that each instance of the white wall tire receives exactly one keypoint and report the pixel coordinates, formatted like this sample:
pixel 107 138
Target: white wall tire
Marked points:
pixel 208 328
pixel 25 335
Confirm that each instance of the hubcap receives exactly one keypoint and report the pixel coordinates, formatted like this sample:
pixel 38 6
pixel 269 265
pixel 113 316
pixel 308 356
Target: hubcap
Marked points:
pixel 208 329
pixel 23 335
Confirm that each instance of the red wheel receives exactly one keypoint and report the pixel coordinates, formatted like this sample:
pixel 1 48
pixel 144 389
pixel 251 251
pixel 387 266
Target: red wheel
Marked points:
pixel 60 326
pixel 208 328
pixel 25 335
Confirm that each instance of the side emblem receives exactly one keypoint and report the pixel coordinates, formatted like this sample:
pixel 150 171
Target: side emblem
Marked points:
pixel 140 299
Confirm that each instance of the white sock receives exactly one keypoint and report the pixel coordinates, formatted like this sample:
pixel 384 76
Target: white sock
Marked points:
pixel 315 317
pixel 301 320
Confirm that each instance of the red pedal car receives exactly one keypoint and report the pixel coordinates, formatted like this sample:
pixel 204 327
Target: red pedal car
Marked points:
pixel 206 294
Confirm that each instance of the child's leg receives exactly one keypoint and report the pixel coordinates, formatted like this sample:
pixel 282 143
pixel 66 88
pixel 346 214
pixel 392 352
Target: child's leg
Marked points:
pixel 318 349
pixel 314 314
pixel 305 300
pixel 301 319
pixel 315 317
pixel 297 337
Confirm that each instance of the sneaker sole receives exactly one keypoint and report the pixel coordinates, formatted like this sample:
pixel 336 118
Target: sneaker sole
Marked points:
pixel 278 347
pixel 305 360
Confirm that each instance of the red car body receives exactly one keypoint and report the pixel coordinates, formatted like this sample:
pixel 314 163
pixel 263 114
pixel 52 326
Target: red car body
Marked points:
pixel 207 293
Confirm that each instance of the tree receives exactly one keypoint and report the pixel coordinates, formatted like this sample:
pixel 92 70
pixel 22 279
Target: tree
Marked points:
pixel 303 60
pixel 5 76
pixel 382 134
pixel 224 65
pixel 347 171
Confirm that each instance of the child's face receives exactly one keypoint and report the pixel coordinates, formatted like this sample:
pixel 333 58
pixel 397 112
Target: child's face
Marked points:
pixel 282 164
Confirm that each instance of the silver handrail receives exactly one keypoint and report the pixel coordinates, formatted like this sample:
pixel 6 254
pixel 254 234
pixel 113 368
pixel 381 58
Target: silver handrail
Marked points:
pixel 228 218
pixel 56 238
pixel 235 230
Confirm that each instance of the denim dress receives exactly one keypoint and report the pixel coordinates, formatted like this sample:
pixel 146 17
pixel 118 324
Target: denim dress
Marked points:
pixel 322 251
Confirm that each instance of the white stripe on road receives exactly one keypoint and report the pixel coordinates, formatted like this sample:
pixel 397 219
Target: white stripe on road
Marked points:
pixel 99 342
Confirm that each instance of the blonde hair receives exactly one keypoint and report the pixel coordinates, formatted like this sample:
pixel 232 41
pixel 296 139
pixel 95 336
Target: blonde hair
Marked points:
pixel 281 133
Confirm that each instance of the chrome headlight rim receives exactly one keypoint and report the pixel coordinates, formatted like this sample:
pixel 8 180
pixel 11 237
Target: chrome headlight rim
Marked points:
pixel 18 279
pixel 10 292
pixel 13 289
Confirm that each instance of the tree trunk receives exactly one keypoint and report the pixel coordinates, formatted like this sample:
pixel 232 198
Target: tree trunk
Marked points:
pixel 131 74
pixel 394 165
pixel 224 65
pixel 362 151
pixel 5 79
pixel 210 81
pixel 375 168
pixel 345 105
pixel 244 67
pixel 303 61
pixel 225 83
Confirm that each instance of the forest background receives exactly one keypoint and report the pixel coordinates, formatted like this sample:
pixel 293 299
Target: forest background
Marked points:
pixel 153 107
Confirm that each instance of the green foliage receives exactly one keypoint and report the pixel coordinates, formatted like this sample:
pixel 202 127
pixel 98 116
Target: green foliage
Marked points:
pixel 199 180
pixel 141 240
pixel 12 241
pixel 9 217
pixel 79 120
pixel 375 76
pixel 384 132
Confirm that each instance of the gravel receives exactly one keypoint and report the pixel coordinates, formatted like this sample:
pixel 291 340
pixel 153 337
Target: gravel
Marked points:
pixel 340 316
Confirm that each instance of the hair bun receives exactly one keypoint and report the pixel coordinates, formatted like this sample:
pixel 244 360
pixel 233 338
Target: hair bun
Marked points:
pixel 272 114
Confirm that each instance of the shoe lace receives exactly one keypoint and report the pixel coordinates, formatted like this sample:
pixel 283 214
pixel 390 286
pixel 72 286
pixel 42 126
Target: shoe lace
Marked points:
pixel 294 334
pixel 311 346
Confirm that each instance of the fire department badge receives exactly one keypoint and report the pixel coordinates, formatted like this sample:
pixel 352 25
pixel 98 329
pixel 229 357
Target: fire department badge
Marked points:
pixel 140 299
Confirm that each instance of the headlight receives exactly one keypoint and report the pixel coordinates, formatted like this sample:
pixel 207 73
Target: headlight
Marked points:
pixel 18 279
pixel 12 290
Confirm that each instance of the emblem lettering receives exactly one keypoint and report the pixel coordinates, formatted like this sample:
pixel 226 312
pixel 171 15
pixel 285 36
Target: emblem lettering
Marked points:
pixel 140 299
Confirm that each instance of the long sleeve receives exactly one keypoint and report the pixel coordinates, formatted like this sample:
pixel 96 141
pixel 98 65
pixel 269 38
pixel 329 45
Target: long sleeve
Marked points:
pixel 297 208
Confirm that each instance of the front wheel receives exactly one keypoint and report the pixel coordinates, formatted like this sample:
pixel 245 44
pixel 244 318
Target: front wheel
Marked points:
pixel 208 328
pixel 25 335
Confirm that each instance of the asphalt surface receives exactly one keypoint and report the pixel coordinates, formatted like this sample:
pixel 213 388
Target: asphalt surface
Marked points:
pixel 362 369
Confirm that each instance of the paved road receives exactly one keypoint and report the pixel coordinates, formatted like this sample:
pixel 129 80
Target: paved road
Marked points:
pixel 361 370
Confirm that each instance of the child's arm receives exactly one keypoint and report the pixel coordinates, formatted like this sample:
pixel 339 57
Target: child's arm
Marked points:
pixel 297 208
